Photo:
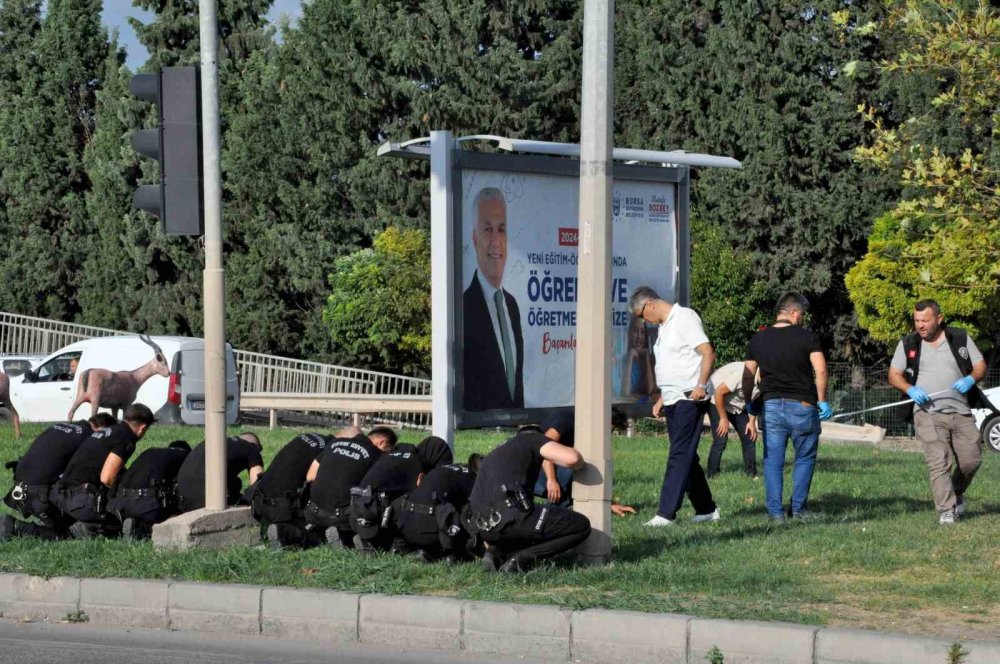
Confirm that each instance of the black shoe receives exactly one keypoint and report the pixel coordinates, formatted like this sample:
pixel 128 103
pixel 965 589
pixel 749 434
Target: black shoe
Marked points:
pixel 515 566
pixel 273 541
pixel 6 527
pixel 79 530
pixel 400 546
pixel 363 546
pixel 492 560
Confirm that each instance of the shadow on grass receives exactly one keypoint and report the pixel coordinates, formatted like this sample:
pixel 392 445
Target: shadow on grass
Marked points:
pixel 842 508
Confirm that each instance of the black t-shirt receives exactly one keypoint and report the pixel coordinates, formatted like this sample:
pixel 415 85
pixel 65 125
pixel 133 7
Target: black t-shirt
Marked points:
pixel 563 422
pixel 86 465
pixel 154 467
pixel 782 353
pixel 287 471
pixel 47 456
pixel 395 473
pixel 241 456
pixel 341 466
pixel 452 483
pixel 514 463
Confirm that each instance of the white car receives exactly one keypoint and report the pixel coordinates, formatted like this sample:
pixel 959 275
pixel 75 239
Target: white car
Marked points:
pixel 988 421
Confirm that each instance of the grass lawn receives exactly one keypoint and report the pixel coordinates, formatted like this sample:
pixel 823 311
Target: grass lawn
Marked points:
pixel 878 559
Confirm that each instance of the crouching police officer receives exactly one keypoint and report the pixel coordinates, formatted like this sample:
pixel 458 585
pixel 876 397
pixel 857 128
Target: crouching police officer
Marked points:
pixel 242 455
pixel 375 500
pixel 38 470
pixel 429 516
pixel 147 491
pixel 82 492
pixel 501 510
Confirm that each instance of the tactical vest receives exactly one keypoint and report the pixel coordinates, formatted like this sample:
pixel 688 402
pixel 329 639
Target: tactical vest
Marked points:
pixel 958 342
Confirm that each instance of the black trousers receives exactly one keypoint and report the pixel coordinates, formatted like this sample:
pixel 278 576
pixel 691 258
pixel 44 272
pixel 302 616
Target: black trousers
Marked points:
pixel 147 511
pixel 422 531
pixel 739 421
pixel 34 503
pixel 543 532
pixel 88 507
pixel 684 473
pixel 318 519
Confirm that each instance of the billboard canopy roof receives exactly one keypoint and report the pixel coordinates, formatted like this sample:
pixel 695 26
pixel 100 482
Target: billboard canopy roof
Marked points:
pixel 418 149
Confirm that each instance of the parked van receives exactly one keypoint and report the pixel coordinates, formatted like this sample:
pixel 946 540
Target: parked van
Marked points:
pixel 173 388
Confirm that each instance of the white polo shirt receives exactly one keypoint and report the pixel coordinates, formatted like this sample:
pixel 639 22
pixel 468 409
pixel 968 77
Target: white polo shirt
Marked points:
pixel 678 364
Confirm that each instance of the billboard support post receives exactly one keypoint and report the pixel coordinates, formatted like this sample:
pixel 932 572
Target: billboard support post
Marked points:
pixel 443 361
pixel 593 485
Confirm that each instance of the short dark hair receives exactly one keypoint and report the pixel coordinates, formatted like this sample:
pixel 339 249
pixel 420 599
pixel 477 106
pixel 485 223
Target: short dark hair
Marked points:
pixel 251 437
pixel 180 445
pixel 792 301
pixel 139 413
pixel 530 428
pixel 102 420
pixel 928 304
pixel 385 432
pixel 475 462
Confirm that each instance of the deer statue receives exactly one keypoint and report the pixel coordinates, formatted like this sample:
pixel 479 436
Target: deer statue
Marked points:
pixel 117 389
pixel 5 399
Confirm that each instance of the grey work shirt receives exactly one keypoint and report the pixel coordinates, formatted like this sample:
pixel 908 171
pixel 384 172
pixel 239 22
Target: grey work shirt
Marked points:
pixel 938 371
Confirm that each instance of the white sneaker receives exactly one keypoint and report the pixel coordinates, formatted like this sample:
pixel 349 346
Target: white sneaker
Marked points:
pixel 658 522
pixel 702 518
pixel 960 507
pixel 947 518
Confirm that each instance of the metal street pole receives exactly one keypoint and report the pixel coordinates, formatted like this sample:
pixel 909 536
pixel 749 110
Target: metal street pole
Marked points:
pixel 214 283
pixel 592 489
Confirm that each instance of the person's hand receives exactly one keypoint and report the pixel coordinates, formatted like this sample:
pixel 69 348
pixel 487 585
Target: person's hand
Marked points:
pixel 751 429
pixel 658 406
pixel 698 393
pixel 553 491
pixel 918 395
pixel 825 411
pixel 621 510
pixel 723 428
pixel 963 385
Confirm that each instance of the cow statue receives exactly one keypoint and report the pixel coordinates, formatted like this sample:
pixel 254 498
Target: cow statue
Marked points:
pixel 116 390
pixel 5 399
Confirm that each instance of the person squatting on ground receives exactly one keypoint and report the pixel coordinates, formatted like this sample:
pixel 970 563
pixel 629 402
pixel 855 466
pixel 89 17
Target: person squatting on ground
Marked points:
pixel 37 472
pixel 501 511
pixel 377 498
pixel 937 358
pixel 684 359
pixel 340 468
pixel 729 405
pixel 83 490
pixel 788 355
pixel 147 491
pixel 242 455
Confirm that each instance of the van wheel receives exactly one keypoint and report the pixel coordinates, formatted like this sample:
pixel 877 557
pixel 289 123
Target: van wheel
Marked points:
pixel 991 434
pixel 5 415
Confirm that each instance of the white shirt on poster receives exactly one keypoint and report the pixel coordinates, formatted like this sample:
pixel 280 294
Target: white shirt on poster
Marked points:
pixel 678 364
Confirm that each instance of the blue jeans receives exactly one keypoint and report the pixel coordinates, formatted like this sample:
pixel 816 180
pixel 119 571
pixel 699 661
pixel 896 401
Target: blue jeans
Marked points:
pixel 564 476
pixel 784 419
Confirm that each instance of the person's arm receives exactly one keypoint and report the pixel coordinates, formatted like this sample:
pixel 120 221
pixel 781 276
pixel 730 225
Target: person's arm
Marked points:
pixel 979 370
pixel 819 368
pixel 552 489
pixel 898 380
pixel 561 455
pixel 707 362
pixel 255 472
pixel 313 471
pixel 720 408
pixel 112 468
pixel 749 373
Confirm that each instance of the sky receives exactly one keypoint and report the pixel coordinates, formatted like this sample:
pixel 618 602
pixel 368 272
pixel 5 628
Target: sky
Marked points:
pixel 117 11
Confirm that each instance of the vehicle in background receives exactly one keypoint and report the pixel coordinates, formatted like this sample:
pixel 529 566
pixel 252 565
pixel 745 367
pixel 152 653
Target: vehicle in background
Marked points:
pixel 988 421
pixel 15 365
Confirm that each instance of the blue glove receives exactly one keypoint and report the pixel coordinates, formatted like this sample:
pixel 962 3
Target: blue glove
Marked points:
pixel 825 411
pixel 963 385
pixel 918 395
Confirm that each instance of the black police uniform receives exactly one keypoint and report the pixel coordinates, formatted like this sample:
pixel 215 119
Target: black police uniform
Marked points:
pixel 79 493
pixel 147 491
pixel 35 473
pixel 341 466
pixel 279 496
pixel 428 517
pixel 503 513
pixel 241 456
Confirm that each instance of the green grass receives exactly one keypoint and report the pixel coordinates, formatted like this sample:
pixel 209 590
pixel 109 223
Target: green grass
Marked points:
pixel 877 559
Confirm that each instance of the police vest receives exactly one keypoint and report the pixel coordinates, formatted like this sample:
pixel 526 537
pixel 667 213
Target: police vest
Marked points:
pixel 958 342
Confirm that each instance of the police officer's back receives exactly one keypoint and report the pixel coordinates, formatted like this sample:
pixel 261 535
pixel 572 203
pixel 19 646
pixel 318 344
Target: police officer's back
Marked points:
pixel 147 492
pixel 242 455
pixel 429 516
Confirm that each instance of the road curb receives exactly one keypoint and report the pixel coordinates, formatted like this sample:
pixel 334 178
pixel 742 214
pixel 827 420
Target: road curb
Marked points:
pixel 591 635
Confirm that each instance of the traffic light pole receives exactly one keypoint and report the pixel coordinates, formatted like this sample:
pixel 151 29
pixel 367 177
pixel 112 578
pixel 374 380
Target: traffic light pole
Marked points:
pixel 214 282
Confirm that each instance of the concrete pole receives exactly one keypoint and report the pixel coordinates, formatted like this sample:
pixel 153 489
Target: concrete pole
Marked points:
pixel 443 360
pixel 593 485
pixel 214 281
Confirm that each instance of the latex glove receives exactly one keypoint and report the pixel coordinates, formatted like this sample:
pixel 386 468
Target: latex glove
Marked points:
pixel 963 385
pixel 825 411
pixel 918 395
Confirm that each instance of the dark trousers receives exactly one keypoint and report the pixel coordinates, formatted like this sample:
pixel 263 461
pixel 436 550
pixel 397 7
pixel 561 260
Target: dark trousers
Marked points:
pixel 684 473
pixel 543 532
pixel 739 422
pixel 34 502
pixel 318 519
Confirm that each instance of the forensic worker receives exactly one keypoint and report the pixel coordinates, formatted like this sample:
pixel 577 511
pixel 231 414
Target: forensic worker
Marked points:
pixel 942 361
pixel 793 390
pixel 147 492
pixel 242 456
pixel 684 359
pixel 729 405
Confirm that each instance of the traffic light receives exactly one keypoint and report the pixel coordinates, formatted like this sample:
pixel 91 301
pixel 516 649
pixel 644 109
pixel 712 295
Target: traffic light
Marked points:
pixel 176 143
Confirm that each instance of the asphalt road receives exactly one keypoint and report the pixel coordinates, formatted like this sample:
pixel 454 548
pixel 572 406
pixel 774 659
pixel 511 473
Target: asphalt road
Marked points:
pixel 46 643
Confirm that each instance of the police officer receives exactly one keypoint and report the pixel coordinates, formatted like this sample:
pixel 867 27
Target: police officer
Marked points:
pixel 82 492
pixel 35 473
pixel 518 532
pixel 375 500
pixel 278 497
pixel 332 476
pixel 147 492
pixel 242 455
pixel 429 516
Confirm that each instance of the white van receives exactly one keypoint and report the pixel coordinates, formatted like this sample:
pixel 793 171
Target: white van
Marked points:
pixel 174 388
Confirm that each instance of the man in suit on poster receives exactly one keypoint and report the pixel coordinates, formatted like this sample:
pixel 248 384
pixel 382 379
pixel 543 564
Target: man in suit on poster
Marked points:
pixel 493 366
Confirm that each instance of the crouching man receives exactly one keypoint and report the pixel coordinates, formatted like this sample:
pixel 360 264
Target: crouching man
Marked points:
pixel 517 532
pixel 242 455
pixel 147 491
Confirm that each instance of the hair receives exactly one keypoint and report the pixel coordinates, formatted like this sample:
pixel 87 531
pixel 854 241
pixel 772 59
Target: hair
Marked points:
pixel 385 432
pixel 928 304
pixel 102 420
pixel 641 296
pixel 251 437
pixel 487 194
pixel 792 301
pixel 530 428
pixel 180 445
pixel 139 413
pixel 475 462
pixel 619 419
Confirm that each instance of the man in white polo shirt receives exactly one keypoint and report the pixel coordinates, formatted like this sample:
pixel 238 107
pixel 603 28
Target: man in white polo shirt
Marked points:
pixel 684 359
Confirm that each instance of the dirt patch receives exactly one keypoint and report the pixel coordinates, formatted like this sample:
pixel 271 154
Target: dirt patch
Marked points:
pixel 962 625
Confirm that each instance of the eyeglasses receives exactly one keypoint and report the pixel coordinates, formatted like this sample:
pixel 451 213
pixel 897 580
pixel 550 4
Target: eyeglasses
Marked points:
pixel 642 312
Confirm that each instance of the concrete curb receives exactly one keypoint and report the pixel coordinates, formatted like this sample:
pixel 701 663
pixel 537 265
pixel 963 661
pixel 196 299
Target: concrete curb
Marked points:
pixel 549 632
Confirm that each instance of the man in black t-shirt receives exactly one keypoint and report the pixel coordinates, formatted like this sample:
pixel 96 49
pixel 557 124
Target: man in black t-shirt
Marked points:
pixel 340 468
pixel 794 401
pixel 278 497
pixel 35 473
pixel 82 492
pixel 242 455
pixel 147 492
pixel 518 532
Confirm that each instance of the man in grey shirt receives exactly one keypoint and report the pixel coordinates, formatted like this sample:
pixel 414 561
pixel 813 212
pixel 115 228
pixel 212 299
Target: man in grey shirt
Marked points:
pixel 938 367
